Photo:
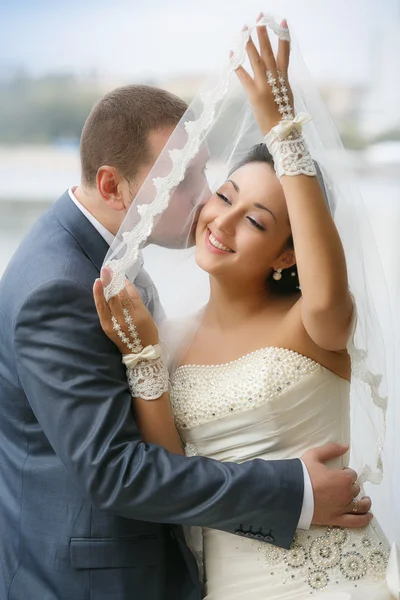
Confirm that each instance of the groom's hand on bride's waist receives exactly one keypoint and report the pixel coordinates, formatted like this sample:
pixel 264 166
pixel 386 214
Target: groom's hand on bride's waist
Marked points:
pixel 335 490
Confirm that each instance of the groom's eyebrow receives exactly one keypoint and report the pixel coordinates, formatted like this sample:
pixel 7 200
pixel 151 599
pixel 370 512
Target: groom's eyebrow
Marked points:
pixel 256 204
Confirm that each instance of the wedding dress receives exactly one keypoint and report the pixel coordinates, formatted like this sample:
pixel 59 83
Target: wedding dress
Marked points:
pixel 276 404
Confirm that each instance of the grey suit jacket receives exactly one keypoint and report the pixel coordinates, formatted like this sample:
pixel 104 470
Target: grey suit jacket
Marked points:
pixel 87 510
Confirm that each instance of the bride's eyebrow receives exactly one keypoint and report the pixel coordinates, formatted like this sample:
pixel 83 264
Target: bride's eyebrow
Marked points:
pixel 262 207
pixel 256 204
pixel 235 185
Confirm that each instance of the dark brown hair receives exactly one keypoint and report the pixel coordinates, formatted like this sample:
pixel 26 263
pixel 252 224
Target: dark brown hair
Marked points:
pixel 116 132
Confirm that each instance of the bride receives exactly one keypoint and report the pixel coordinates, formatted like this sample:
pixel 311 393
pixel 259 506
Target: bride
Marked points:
pixel 263 371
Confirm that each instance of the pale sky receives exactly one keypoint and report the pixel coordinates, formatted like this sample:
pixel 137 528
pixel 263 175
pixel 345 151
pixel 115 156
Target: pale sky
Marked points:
pixel 139 38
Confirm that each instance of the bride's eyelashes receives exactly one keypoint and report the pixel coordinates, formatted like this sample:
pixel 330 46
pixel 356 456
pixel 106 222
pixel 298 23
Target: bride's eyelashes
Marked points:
pixel 223 198
pixel 256 224
pixel 250 219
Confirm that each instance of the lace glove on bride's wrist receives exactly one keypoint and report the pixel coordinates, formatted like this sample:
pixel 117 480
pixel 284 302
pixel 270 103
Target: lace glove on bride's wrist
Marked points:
pixel 285 141
pixel 289 149
pixel 127 322
pixel 147 373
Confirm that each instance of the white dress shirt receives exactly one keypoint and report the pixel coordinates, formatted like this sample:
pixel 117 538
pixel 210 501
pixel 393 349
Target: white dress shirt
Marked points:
pixel 150 298
pixel 105 234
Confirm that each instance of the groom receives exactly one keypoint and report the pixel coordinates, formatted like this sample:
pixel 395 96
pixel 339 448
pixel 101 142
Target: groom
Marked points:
pixel 87 510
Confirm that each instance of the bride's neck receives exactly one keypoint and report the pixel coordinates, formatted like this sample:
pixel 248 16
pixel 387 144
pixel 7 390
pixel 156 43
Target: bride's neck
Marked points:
pixel 230 305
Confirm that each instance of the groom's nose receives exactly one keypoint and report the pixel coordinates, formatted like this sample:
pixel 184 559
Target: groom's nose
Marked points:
pixel 201 198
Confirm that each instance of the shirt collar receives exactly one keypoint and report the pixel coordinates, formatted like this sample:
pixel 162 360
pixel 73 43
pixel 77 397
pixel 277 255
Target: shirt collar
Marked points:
pixel 105 234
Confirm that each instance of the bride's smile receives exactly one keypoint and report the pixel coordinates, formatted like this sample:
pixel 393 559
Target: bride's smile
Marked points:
pixel 216 244
pixel 243 230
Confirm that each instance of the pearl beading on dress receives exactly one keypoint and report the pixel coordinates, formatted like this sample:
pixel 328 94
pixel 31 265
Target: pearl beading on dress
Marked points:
pixel 203 393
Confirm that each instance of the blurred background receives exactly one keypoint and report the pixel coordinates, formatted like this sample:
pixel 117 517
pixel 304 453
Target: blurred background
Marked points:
pixel 58 58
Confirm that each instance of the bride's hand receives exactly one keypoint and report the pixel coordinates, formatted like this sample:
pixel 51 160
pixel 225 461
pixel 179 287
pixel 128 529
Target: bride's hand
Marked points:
pixel 259 91
pixel 113 320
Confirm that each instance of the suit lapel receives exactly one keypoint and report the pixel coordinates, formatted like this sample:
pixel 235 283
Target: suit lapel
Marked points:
pixel 75 222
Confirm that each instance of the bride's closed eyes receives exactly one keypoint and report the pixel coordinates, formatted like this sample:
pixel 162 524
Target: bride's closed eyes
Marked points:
pixel 250 219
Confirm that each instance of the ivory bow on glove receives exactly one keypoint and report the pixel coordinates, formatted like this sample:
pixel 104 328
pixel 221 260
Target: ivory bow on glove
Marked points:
pixel 289 149
pixel 148 353
pixel 287 126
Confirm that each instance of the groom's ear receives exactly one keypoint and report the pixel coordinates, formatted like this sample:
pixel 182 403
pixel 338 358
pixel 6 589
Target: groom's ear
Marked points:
pixel 111 186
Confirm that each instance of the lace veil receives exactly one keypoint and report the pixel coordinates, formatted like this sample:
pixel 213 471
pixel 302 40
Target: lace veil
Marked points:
pixel 215 133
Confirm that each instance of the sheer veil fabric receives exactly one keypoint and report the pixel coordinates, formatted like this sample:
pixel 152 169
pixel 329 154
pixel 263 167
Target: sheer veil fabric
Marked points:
pixel 217 130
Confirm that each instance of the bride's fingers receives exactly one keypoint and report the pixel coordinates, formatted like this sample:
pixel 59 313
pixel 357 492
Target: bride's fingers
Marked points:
pixel 103 310
pixel 115 302
pixel 245 79
pixel 130 295
pixel 119 304
pixel 257 63
pixel 283 56
pixel 106 276
pixel 267 54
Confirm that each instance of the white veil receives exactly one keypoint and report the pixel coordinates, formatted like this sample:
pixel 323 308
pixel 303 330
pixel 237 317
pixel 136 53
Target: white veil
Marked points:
pixel 217 131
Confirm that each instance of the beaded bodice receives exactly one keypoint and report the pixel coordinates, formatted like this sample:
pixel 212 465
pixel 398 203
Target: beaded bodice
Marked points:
pixel 273 404
pixel 242 384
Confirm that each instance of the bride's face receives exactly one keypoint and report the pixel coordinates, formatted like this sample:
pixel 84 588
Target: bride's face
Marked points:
pixel 243 229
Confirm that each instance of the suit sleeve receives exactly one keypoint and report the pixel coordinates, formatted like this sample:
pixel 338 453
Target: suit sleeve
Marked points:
pixel 76 386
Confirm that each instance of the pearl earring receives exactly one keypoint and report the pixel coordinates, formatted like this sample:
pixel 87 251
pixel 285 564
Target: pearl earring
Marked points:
pixel 278 274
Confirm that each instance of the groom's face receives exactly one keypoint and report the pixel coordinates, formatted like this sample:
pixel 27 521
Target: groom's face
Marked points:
pixel 177 224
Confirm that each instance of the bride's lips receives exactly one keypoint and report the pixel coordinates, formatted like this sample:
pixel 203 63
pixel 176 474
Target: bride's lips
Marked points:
pixel 213 248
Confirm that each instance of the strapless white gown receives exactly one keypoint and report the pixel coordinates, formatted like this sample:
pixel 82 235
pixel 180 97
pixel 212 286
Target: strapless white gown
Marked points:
pixel 276 404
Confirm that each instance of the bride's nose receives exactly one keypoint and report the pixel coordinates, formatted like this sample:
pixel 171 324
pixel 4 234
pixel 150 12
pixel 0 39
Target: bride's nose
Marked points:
pixel 226 222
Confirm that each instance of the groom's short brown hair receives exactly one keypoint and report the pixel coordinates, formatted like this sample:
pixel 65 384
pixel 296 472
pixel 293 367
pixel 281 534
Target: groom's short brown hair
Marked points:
pixel 116 132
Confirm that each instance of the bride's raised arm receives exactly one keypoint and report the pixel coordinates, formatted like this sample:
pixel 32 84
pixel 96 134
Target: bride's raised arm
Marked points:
pixel 326 304
pixel 128 323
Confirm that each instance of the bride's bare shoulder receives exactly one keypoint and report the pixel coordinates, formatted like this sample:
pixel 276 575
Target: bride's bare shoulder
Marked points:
pixel 290 333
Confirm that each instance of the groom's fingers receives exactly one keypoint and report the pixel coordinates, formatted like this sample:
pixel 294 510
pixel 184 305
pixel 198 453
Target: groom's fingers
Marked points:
pixel 356 514
pixel 353 521
pixel 360 507
pixel 328 452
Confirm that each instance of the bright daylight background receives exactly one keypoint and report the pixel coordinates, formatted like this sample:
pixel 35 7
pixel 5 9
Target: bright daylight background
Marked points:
pixel 57 58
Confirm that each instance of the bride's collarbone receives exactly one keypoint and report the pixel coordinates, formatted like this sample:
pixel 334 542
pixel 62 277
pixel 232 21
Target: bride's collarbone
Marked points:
pixel 215 347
